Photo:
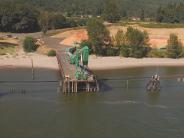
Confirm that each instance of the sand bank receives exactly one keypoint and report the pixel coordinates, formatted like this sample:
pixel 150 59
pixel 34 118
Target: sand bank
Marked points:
pixel 108 63
pixel 39 61
pixel 95 63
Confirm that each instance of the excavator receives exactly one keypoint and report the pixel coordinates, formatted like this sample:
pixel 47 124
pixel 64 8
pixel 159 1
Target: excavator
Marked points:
pixel 79 57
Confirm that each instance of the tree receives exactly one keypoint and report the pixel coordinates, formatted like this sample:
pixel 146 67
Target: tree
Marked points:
pixel 44 21
pixel 159 15
pixel 99 36
pixel 174 47
pixel 111 12
pixel 29 44
pixel 119 38
pixel 57 20
pixel 142 15
pixel 171 13
pixel 136 43
pixel 135 37
pixel 18 18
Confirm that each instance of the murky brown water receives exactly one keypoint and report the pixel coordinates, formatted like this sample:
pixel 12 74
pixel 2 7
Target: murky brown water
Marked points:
pixel 115 112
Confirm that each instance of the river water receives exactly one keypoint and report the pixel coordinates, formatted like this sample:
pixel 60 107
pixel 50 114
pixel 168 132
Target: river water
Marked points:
pixel 115 112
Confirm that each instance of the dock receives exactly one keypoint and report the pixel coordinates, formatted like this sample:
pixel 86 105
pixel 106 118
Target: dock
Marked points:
pixel 68 82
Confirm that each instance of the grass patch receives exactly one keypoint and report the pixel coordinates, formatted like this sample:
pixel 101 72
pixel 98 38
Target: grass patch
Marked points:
pixel 161 25
pixel 4 50
pixel 153 24
pixel 155 53
pixel 129 23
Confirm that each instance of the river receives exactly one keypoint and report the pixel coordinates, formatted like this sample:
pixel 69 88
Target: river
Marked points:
pixel 114 112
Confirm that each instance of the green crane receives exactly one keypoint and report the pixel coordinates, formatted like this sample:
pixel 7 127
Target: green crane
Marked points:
pixel 79 57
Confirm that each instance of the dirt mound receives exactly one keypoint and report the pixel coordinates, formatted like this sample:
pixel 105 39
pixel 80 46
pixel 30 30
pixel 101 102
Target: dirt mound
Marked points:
pixel 76 37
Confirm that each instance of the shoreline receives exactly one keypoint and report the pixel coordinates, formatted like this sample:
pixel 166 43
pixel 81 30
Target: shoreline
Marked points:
pixel 95 63
pixel 116 63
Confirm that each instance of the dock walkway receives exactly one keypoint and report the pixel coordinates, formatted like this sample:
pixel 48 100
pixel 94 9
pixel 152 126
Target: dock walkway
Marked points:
pixel 69 83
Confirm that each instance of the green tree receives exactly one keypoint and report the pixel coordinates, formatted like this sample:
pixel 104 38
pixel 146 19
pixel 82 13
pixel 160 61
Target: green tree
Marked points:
pixel 29 44
pixel 18 18
pixel 44 20
pixel 174 47
pixel 142 15
pixel 125 51
pixel 57 20
pixel 119 38
pixel 136 43
pixel 135 37
pixel 159 15
pixel 111 12
pixel 99 36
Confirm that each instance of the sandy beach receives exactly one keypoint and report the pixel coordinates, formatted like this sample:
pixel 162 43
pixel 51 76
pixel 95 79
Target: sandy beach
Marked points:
pixel 95 63
pixel 109 63
pixel 25 61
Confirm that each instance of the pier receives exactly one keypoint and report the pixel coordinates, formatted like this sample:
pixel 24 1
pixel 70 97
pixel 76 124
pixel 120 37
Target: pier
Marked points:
pixel 68 82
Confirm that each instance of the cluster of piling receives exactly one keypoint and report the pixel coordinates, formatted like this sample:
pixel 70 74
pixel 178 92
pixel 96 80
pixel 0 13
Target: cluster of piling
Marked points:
pixel 75 86
pixel 13 90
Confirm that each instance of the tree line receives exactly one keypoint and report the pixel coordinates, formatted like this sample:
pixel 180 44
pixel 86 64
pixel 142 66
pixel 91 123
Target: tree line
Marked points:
pixel 23 18
pixel 171 13
pixel 20 17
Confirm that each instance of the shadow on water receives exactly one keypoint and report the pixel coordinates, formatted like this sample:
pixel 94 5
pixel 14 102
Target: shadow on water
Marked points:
pixel 3 94
pixel 105 87
pixel 153 97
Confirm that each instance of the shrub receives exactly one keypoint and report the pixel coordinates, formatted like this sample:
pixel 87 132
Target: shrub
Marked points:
pixel 119 38
pixel 51 53
pixel 29 44
pixel 124 51
pixel 112 52
pixel 174 47
pixel 138 52
pixel 157 53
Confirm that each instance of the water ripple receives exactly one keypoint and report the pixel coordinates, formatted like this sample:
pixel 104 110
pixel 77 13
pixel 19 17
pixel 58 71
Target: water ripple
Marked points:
pixel 133 103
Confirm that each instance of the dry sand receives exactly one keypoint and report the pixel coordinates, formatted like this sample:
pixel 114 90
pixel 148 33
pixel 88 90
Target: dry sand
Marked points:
pixel 39 61
pixel 95 63
pixel 108 63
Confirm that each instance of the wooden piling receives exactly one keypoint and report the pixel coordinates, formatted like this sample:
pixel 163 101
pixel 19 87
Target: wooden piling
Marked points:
pixel 32 66
pixel 127 84
pixel 72 86
pixel 76 87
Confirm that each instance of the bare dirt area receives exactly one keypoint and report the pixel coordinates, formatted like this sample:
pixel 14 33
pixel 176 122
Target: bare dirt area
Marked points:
pixel 158 36
pixel 72 36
